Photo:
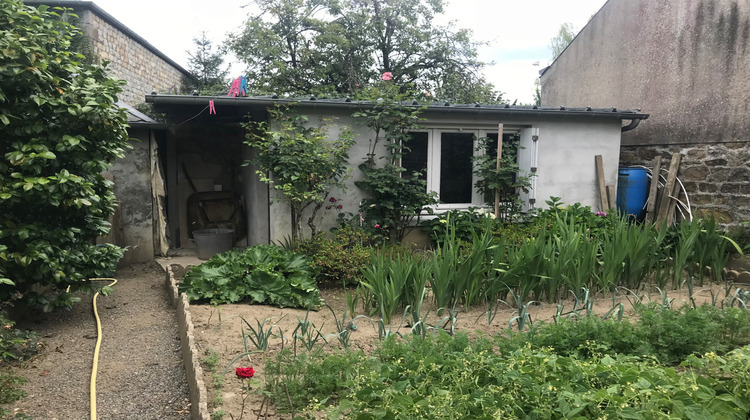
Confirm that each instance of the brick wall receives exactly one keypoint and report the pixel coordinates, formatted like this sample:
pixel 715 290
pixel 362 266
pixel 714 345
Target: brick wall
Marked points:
pixel 716 176
pixel 130 60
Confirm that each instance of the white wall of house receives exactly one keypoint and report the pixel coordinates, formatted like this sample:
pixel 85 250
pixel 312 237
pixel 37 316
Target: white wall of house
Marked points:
pixel 280 214
pixel 565 160
pixel 566 150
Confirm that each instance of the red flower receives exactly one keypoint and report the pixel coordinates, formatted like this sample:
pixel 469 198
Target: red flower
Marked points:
pixel 332 200
pixel 377 226
pixel 328 207
pixel 339 207
pixel 245 372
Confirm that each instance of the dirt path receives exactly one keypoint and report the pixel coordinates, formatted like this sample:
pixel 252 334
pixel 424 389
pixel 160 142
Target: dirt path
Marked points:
pixel 141 375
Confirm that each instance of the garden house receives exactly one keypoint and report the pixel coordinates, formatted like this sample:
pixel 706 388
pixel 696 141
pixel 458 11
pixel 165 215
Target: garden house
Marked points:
pixel 201 157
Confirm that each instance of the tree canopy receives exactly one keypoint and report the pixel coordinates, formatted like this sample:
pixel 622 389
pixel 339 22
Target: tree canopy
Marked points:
pixel 207 74
pixel 337 47
pixel 564 37
pixel 59 130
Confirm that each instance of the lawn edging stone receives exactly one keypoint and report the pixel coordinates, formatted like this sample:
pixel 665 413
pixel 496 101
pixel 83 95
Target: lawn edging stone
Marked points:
pixel 190 355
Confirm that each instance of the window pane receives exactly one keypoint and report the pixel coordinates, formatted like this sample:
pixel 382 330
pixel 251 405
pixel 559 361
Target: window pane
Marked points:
pixel 414 158
pixel 456 151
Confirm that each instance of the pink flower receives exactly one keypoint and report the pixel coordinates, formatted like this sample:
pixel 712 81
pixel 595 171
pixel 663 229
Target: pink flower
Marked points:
pixel 377 226
pixel 600 214
pixel 387 76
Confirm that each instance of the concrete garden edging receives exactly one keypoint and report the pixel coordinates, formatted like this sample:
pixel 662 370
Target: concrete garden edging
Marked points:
pixel 190 354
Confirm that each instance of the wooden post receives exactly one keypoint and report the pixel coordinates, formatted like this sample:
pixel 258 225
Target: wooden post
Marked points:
pixel 652 191
pixel 497 167
pixel 604 203
pixel 611 196
pixel 666 201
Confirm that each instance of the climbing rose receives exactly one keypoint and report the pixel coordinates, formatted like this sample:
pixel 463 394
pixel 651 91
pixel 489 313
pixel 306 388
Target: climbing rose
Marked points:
pixel 387 76
pixel 244 372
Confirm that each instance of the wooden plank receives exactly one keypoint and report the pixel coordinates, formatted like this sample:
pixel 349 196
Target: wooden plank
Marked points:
pixel 611 197
pixel 676 196
pixel 603 201
pixel 497 166
pixel 666 201
pixel 653 190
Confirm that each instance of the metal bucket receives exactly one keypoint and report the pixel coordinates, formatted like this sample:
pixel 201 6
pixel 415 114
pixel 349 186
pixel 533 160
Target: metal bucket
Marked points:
pixel 209 242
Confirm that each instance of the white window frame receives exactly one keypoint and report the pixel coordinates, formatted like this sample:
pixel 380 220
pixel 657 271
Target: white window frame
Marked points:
pixel 434 143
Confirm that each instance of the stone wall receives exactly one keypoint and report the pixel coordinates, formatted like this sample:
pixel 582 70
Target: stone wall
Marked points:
pixel 716 176
pixel 130 60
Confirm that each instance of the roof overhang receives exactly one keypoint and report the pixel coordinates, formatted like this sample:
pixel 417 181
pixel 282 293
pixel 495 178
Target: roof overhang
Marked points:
pixel 241 106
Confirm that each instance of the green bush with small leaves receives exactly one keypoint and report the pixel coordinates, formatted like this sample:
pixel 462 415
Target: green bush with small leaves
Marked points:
pixel 340 259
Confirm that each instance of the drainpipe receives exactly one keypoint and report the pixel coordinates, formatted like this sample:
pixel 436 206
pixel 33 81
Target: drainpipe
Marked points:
pixel 633 124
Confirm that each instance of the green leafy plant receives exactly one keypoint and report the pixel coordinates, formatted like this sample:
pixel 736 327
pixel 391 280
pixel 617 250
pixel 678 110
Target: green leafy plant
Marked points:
pixel 259 274
pixel 675 334
pixel 394 198
pixel 340 259
pixel 386 278
pixel 60 131
pixel 15 344
pixel 503 182
pixel 302 163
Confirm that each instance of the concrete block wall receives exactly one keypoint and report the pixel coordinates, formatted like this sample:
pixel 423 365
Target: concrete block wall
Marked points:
pixel 716 176
pixel 130 60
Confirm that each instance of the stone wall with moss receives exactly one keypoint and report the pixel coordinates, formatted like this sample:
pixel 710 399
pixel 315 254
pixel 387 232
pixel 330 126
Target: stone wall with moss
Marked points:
pixel 716 176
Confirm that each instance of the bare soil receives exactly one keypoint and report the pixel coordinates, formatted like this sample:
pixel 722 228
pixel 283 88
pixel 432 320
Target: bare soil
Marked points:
pixel 141 375
pixel 219 328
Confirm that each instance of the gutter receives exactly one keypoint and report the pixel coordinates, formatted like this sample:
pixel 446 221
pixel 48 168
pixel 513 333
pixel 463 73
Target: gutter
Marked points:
pixel 633 124
pixel 430 109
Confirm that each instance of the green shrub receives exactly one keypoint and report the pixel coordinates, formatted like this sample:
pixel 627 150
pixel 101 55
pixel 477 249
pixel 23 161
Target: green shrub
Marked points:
pixel 581 337
pixel 674 334
pixel 311 378
pixel 445 378
pixel 60 131
pixel 338 260
pixel 15 344
pixel 264 274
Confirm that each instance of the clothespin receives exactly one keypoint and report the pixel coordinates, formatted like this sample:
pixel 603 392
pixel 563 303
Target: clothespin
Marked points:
pixel 243 86
pixel 211 108
pixel 235 89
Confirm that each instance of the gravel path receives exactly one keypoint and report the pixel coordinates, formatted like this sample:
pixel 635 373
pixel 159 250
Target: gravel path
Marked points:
pixel 141 375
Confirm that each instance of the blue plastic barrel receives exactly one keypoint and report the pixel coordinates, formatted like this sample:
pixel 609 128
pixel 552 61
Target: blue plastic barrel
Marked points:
pixel 632 191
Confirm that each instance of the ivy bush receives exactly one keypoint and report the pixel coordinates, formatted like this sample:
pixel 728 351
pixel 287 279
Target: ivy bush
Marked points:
pixel 60 130
pixel 262 274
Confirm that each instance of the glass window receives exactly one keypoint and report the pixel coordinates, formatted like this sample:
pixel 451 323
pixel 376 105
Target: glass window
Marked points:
pixel 456 150
pixel 414 157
